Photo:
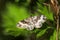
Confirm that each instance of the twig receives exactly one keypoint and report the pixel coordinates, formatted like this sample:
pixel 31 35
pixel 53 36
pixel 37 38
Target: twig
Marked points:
pixel 57 28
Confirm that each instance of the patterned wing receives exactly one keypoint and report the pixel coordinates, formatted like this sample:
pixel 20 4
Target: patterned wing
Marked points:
pixel 32 22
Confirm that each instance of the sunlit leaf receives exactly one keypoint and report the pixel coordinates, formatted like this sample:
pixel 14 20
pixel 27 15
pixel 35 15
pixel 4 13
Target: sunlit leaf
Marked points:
pixel 45 11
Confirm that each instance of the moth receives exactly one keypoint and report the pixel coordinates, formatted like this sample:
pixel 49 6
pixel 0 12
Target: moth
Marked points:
pixel 32 22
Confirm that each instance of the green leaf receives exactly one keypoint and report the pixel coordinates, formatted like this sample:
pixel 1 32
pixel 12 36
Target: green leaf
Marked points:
pixel 59 34
pixel 45 11
pixel 53 37
pixel 41 33
pixel 16 32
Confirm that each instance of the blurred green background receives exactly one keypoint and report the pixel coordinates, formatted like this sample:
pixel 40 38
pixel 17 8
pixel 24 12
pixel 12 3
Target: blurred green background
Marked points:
pixel 13 11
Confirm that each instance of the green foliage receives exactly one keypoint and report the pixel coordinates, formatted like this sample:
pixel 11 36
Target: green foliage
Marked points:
pixel 13 14
pixel 41 1
pixel 53 37
pixel 59 33
pixel 45 11
pixel 41 33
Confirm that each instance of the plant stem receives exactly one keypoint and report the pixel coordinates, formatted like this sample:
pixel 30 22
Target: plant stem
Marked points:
pixel 57 28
